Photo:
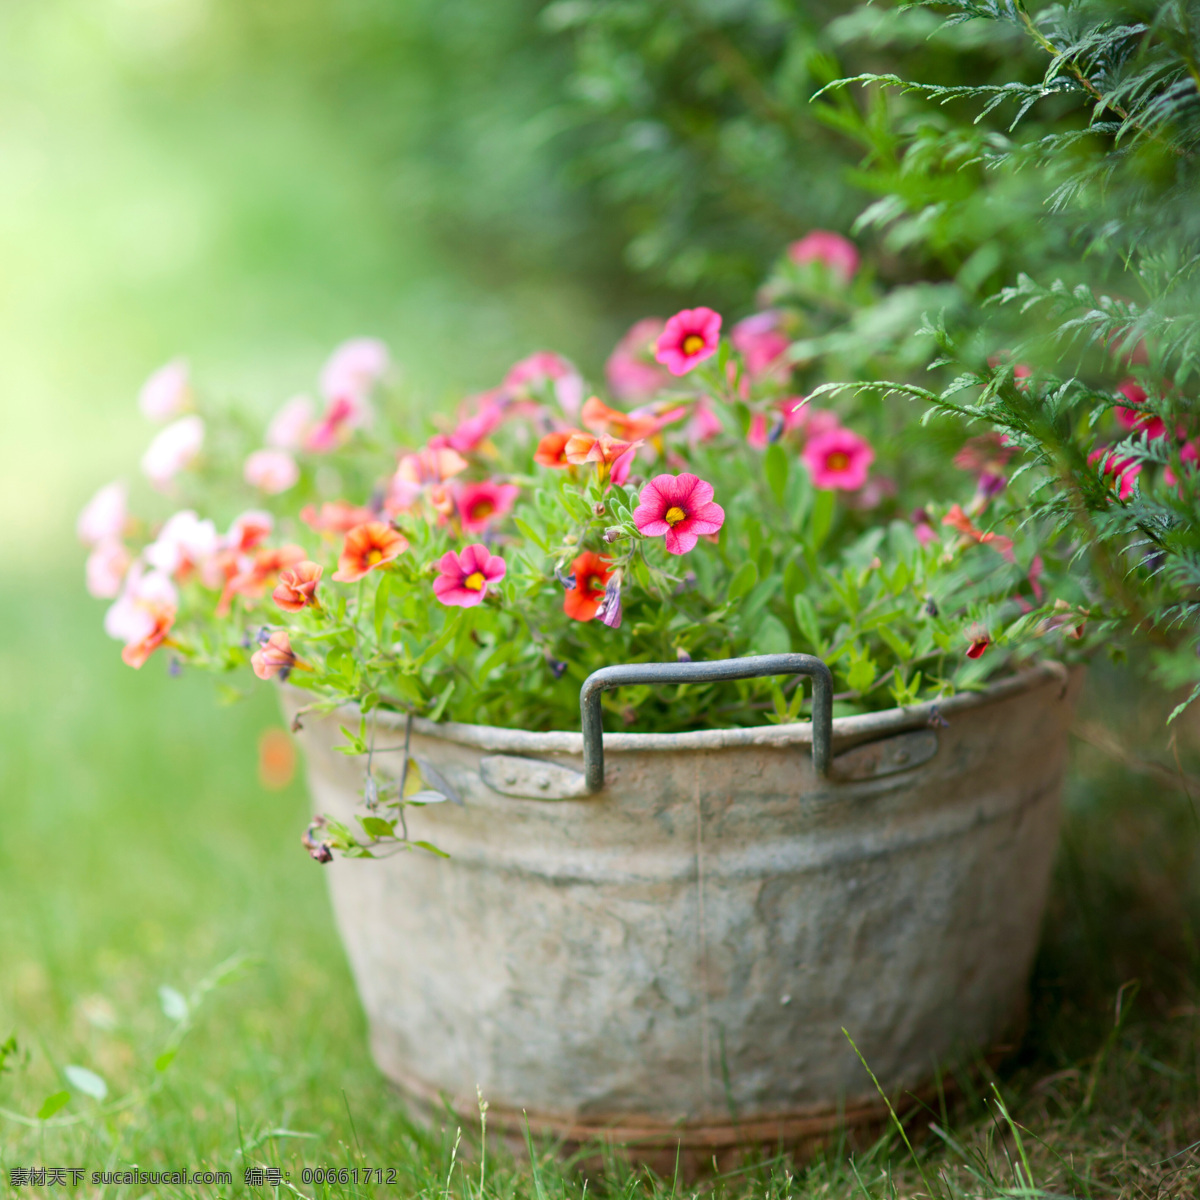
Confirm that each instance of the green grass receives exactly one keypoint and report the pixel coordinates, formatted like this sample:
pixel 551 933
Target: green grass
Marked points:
pixel 138 850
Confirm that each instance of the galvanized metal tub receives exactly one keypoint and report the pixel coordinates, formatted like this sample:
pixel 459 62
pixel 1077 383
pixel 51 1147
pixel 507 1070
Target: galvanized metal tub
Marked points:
pixel 673 959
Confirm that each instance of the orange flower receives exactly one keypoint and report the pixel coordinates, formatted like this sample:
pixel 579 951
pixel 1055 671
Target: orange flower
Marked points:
pixel 599 418
pixel 253 580
pixel 298 586
pixel 957 519
pixel 591 573
pixel 587 448
pixel 551 450
pixel 161 616
pixel 368 546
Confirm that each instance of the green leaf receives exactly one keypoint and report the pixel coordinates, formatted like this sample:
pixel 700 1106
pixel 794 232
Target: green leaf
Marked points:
pixel 899 647
pixel 85 1081
pixel 775 467
pixel 377 827
pixel 806 620
pixel 743 580
pixel 414 781
pixel 53 1104
pixel 444 639
pixel 820 521
pixel 528 531
pixel 861 672
pixel 1179 708
pixel 432 849
pixel 771 637
pixel 164 1060
pixel 382 594
pixel 440 707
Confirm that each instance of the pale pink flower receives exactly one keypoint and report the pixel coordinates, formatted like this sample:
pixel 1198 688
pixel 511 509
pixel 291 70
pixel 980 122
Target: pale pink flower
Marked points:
pixel 416 473
pixel 631 371
pixel 704 425
pixel 354 368
pixel 463 578
pixel 271 471
pixel 761 343
pixel 757 434
pixel 344 414
pixel 544 366
pixel 474 429
pixel 838 460
pixel 678 508
pixel 167 393
pixel 106 568
pixel 131 618
pixel 172 450
pixel 689 338
pixel 923 529
pixel 274 657
pixel 291 424
pixel 184 542
pixel 103 517
pixel 838 254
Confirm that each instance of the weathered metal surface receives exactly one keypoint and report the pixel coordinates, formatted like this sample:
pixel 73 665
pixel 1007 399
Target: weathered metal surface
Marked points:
pixel 873 759
pixel 532 778
pixel 717 912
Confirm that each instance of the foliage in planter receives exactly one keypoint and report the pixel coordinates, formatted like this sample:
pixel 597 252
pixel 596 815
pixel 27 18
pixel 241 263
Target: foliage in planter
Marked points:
pixel 483 575
pixel 1070 199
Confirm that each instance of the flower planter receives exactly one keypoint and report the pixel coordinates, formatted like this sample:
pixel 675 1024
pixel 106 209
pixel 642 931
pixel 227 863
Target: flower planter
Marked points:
pixel 672 959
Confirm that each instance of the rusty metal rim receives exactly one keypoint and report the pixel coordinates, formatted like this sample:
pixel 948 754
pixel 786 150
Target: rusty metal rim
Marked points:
pixel 847 731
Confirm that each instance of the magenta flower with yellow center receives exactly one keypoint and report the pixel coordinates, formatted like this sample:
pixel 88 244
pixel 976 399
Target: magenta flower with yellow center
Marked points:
pixel 838 460
pixel 678 508
pixel 464 577
pixel 689 338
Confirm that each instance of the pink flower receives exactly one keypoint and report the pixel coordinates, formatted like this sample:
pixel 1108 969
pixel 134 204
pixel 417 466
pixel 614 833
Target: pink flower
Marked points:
pixel 679 508
pixel 274 657
pixel 1136 416
pixel 421 473
pixel 837 254
pixel 474 429
pixel 103 517
pixel 354 368
pixel 172 450
pixel 184 543
pixel 479 504
pixel 631 371
pixel 337 516
pixel 761 343
pixel 344 414
pixel 1188 453
pixel 545 367
pixel 704 425
pixel 798 414
pixel 756 435
pixel 167 393
pixel 463 579
pixel 291 424
pixel 923 529
pixel 271 471
pixel 142 614
pixel 106 567
pixel 839 459
pixel 1121 471
pixel 689 338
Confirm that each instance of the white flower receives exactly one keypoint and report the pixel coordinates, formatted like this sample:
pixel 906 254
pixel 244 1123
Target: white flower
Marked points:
pixel 167 392
pixel 172 450
pixel 271 471
pixel 290 425
pixel 183 541
pixel 103 517
pixel 106 567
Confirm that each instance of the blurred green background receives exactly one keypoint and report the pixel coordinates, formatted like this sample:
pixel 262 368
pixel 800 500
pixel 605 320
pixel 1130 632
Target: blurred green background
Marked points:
pixel 247 182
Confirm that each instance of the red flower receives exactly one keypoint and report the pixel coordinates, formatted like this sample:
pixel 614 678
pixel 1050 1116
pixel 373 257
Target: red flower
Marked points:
pixel 297 586
pixel 1136 416
pixel 338 516
pixel 591 573
pixel 251 581
pixel 978 646
pixel 689 338
pixel 275 657
pixel 957 519
pixel 678 508
pixel 1121 472
pixel 464 578
pixel 481 503
pixel 368 546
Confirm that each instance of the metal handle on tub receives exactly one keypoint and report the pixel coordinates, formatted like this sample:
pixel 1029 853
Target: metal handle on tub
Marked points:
pixel 704 672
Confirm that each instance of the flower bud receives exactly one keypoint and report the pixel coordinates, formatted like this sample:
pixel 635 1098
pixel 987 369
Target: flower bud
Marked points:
pixel 598 508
